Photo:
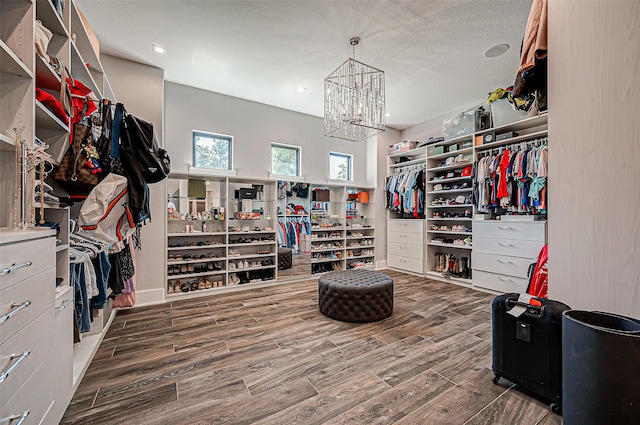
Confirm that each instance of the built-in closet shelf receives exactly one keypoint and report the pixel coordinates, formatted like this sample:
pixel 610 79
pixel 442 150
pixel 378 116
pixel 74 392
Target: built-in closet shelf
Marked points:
pixel 413 152
pixel 6 143
pixel 449 245
pixel 437 192
pixel 512 140
pixel 523 124
pixel 11 64
pixel 454 153
pixel 62 247
pixel 64 290
pixel 454 279
pixel 451 206
pixel 191 275
pixel 47 14
pixel 325 239
pixel 250 269
pixel 450 180
pixel 407 163
pixel 203 260
pixel 197 234
pixel 454 166
pixel 82 42
pixel 85 350
pixel 47 119
pixel 270 232
pixel 244 256
pixel 231 244
pixel 361 247
pixel 454 140
pixel 358 257
pixel 331 229
pixel 81 72
pixel 360 237
pixel 451 218
pixel 449 232
pixel 324 260
pixel 46 77
pixel 181 248
pixel 189 294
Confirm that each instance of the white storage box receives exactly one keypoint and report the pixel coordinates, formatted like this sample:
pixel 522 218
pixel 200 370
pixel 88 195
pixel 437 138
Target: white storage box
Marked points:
pixel 502 113
pixel 403 146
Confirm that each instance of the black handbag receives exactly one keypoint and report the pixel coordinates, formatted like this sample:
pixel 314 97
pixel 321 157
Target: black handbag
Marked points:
pixel 140 146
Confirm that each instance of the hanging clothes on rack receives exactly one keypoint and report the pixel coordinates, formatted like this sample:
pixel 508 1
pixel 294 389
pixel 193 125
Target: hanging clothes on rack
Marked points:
pixel 404 191
pixel 290 229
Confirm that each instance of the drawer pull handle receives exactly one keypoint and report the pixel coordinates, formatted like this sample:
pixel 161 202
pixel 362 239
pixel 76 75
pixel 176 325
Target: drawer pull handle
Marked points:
pixel 64 304
pixel 505 244
pixel 20 418
pixel 506 228
pixel 505 280
pixel 19 357
pixel 15 308
pixel 504 262
pixel 13 267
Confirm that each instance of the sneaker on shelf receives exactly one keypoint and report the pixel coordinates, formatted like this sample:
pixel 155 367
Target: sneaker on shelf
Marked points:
pixel 245 228
pixel 467 240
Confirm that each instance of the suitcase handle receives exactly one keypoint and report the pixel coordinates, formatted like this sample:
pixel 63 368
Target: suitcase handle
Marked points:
pixel 532 310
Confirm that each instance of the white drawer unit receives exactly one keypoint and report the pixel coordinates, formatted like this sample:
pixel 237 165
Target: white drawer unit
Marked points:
pixel 534 231
pixel 406 238
pixel 19 260
pixel 405 250
pixel 512 266
pixel 413 226
pixel 499 282
pixel 508 247
pixel 409 264
pixel 32 401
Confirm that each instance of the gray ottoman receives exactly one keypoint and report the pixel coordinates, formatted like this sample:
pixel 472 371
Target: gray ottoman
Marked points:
pixel 359 296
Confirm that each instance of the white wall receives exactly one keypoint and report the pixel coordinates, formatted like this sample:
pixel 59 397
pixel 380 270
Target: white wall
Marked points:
pixel 141 89
pixel 254 126
pixel 594 155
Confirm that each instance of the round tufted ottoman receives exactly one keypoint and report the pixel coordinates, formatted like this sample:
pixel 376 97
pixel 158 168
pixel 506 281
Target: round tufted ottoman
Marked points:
pixel 360 296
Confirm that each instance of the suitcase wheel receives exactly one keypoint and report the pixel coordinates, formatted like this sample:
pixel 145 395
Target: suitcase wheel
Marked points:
pixel 555 408
pixel 495 379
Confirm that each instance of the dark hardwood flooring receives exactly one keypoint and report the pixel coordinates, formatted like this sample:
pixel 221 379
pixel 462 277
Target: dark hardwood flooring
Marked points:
pixel 268 356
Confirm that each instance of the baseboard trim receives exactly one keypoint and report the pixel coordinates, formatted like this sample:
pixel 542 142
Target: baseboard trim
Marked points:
pixel 382 264
pixel 150 297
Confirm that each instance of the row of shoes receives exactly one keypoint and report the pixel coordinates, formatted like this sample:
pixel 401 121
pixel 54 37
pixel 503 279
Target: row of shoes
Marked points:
pixel 351 234
pixel 177 285
pixel 336 255
pixel 316 225
pixel 328 245
pixel 358 226
pixel 457 242
pixel 250 264
pixel 446 214
pixel 454 228
pixel 450 175
pixel 252 240
pixel 192 268
pixel 325 267
pixel 191 243
pixel 458 200
pixel 360 264
pixel 241 278
pixel 363 242
pixel 450 265
pixel 438 187
pixel 360 253
pixel 187 257
pixel 247 228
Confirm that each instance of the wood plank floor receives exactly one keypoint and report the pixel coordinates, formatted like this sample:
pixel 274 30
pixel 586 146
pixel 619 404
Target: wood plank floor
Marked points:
pixel 267 356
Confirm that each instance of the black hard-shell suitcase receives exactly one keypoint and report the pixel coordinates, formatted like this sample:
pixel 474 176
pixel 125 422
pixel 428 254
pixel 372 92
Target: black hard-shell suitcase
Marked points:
pixel 527 350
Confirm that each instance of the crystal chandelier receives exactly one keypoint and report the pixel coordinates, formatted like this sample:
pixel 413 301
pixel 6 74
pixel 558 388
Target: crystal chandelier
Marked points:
pixel 354 100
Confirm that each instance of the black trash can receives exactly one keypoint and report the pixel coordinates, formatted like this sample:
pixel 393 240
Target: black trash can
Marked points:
pixel 600 368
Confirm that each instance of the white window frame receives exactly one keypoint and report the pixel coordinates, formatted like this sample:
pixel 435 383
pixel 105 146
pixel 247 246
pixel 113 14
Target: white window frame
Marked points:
pixel 298 149
pixel 229 138
pixel 349 167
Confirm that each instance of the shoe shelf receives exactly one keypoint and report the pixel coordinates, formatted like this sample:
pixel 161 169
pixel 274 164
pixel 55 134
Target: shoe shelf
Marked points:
pixel 192 275
pixel 449 232
pixel 361 237
pixel 249 269
pixel 180 248
pixel 452 153
pixel 62 247
pixel 231 244
pixel 195 234
pixel 451 218
pixel 360 247
pixel 325 239
pixel 204 260
pixel 327 229
pixel 449 245
pixel 262 232
pixel 360 256
pixel 450 206
pixel 324 260
pixel 335 248
pixel 449 180
pixel 453 278
pixel 454 166
pixel 242 256
pixel 437 192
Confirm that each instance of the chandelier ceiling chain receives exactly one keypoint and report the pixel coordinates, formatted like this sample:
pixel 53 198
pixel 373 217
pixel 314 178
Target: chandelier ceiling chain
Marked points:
pixel 354 103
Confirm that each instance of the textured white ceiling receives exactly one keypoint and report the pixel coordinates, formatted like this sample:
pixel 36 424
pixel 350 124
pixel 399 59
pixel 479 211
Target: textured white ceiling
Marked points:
pixel 431 51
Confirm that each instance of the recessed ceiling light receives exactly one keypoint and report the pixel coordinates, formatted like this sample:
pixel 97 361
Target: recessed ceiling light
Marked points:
pixel 387 114
pixel 158 49
pixel 301 89
pixel 497 50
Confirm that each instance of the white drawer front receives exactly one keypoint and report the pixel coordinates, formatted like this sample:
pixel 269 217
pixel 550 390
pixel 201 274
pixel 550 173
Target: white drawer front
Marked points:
pixel 40 253
pixel 405 250
pixel 509 247
pixel 36 338
pixel 405 238
pixel 415 226
pixel 499 282
pixel 36 396
pixel 27 299
pixel 410 264
pixel 512 266
pixel 504 230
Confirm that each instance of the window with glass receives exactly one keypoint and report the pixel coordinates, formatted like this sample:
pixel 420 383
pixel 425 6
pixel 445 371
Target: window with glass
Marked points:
pixel 285 160
pixel 340 166
pixel 212 151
